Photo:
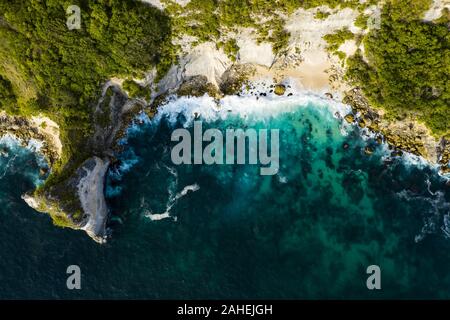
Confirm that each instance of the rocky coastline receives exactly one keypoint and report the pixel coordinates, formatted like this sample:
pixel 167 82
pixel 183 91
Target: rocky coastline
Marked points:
pixel 404 135
pixel 25 130
pixel 83 206
pixel 78 202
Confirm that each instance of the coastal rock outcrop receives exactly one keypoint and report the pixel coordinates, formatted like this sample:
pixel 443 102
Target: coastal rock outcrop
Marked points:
pixel 196 86
pixel 91 194
pixel 406 134
pixel 35 128
pixel 76 200
pixel 280 89
pixel 81 204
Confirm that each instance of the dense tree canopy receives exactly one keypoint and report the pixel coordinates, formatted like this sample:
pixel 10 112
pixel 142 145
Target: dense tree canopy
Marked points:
pixel 60 72
pixel 408 69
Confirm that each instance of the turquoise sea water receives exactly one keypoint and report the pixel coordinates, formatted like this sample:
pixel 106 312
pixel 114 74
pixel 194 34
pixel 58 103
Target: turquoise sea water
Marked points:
pixel 308 232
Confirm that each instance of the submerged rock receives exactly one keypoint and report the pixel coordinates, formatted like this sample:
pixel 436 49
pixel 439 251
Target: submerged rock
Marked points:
pixel 405 134
pixel 4 152
pixel 368 150
pixel 396 153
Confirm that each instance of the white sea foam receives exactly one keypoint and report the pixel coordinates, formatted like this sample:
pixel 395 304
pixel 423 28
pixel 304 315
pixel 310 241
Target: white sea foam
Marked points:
pixel 193 187
pixel 157 216
pixel 14 146
pixel 247 106
pixel 141 118
pixel 35 145
pixel 125 166
pixel 7 166
pixel 419 162
pixel 10 141
pixel 244 106
pixel 282 178
pixel 13 143
pixel 173 197
pixel 113 191
pixel 438 215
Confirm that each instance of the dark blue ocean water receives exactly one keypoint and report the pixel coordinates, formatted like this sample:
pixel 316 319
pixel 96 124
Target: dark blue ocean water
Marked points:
pixel 308 232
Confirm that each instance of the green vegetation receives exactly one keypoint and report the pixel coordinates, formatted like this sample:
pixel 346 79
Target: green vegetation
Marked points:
pixel 321 15
pixel 408 69
pixel 336 39
pixel 230 48
pixel 341 55
pixel 361 21
pixel 275 34
pixel 102 116
pixel 445 16
pixel 7 97
pixel 135 90
pixel 59 72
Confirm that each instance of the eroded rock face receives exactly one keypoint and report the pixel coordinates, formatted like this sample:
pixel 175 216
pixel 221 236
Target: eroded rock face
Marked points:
pixel 91 187
pixel 78 201
pixel 234 78
pixel 197 86
pixel 444 155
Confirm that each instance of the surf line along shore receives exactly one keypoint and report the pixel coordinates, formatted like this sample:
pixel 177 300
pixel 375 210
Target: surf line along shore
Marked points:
pixel 213 153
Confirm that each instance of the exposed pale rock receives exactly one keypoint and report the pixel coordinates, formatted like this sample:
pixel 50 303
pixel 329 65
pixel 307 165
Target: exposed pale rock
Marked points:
pixel 91 195
pixel 206 60
pixel 436 10
pixel 252 52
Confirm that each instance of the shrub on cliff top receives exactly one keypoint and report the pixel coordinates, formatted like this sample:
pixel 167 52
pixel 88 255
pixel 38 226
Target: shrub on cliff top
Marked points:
pixel 408 65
